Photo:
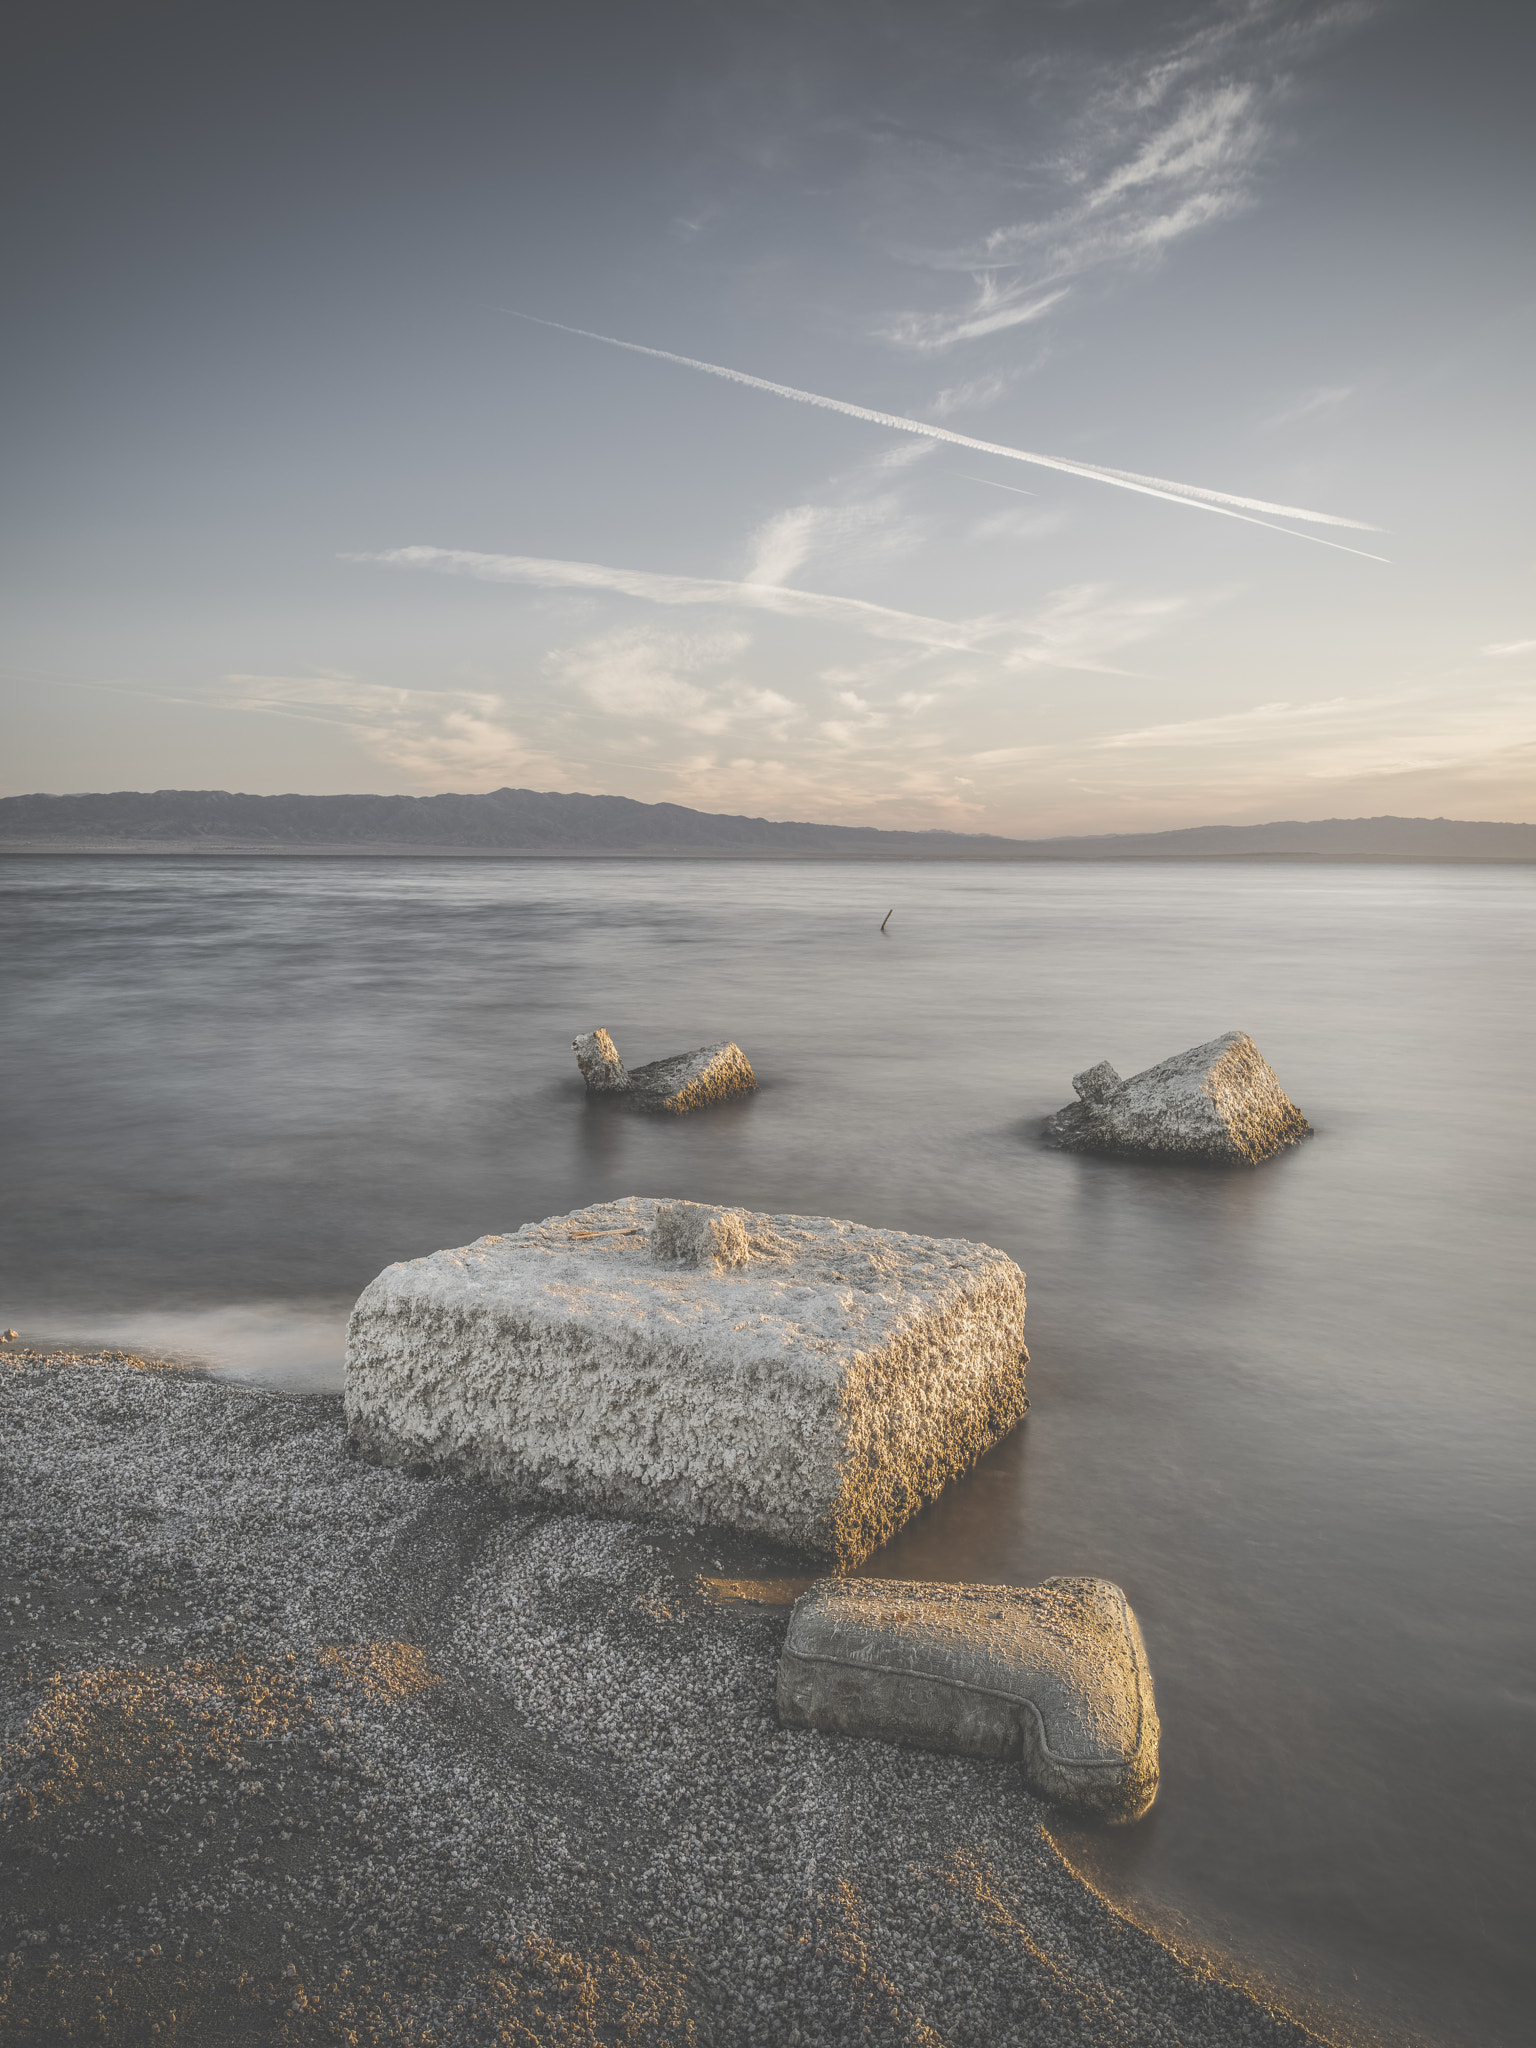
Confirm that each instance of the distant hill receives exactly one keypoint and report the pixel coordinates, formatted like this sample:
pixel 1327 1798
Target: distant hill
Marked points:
pixel 529 821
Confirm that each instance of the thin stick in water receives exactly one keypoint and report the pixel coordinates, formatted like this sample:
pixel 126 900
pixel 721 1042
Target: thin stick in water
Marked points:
pixel 887 918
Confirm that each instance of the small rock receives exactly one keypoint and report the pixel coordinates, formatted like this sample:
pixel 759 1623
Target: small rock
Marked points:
pixel 598 1058
pixel 697 1236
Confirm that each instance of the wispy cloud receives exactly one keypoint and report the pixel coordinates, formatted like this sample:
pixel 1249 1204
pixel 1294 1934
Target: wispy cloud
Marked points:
pixel 1169 142
pixel 1501 647
pixel 1072 629
pixel 655 587
pixel 996 309
pixel 1327 398
pixel 1340 739
pixel 861 529
pixel 1195 496
pixel 684 682
pixel 973 394
pixel 1235 728
pixel 429 735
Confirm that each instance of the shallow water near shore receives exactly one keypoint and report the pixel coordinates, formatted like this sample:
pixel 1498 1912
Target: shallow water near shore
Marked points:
pixel 1292 1411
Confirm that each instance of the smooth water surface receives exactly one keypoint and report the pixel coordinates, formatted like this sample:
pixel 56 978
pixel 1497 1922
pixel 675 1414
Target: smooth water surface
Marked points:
pixel 1292 1411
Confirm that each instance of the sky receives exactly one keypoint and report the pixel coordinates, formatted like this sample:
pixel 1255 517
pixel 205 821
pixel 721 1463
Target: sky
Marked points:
pixel 324 471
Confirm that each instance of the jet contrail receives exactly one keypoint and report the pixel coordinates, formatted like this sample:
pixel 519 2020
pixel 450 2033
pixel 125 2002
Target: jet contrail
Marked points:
pixel 1224 502
pixel 992 480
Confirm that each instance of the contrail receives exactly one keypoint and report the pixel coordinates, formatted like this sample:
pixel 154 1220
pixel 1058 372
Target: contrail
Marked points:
pixel 1224 502
pixel 992 480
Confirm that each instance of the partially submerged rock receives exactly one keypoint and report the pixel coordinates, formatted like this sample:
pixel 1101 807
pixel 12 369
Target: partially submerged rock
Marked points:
pixel 1055 1676
pixel 598 1058
pixel 804 1379
pixel 685 1081
pixel 1220 1102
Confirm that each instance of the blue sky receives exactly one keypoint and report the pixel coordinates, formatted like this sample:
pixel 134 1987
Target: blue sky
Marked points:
pixel 295 499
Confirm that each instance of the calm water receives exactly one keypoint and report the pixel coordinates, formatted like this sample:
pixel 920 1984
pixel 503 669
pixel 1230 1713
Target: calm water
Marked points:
pixel 1293 1412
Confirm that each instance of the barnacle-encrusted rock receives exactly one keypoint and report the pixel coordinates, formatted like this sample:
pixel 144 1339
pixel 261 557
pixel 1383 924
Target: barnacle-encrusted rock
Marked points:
pixel 1219 1102
pixel 1054 1675
pixel 673 1086
pixel 817 1391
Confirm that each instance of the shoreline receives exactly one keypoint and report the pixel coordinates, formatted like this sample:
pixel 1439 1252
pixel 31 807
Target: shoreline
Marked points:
pixel 293 1742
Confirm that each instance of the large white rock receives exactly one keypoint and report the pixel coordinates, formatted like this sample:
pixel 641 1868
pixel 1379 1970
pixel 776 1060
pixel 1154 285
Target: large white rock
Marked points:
pixel 811 1381
pixel 1221 1102
pixel 1055 1676
pixel 673 1086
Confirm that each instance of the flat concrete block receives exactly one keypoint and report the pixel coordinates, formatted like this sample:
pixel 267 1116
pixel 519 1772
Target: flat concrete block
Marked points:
pixel 1220 1102
pixel 669 1087
pixel 807 1380
pixel 1054 1675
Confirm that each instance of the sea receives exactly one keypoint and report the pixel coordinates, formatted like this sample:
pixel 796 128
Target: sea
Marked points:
pixel 1291 1410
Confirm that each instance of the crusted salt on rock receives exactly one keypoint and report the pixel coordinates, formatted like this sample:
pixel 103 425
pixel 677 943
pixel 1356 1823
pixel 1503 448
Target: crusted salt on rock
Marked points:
pixel 818 1394
pixel 671 1087
pixel 1054 1675
pixel 1220 1102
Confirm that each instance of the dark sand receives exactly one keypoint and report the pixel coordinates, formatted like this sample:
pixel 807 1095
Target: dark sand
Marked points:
pixel 298 1749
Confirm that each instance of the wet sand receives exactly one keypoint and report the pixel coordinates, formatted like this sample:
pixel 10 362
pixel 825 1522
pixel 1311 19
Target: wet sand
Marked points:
pixel 299 1749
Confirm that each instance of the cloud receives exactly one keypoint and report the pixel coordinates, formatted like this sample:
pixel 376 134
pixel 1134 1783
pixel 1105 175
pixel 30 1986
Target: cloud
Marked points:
pixel 996 309
pixel 1325 399
pixel 429 735
pixel 1077 627
pixel 1158 146
pixel 679 680
pixel 862 530
pixel 1501 647
pixel 1071 630
pixel 1195 496
pixel 1339 739
pixel 657 588
pixel 974 393
pixel 1236 727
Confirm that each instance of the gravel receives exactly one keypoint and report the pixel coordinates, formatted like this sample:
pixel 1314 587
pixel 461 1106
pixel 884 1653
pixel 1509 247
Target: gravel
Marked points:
pixel 297 1748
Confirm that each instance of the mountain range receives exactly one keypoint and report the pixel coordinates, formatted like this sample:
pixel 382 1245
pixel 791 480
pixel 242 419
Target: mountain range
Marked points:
pixel 534 822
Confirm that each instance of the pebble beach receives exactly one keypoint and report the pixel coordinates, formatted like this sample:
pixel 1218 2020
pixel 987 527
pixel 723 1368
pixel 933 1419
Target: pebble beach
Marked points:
pixel 297 1748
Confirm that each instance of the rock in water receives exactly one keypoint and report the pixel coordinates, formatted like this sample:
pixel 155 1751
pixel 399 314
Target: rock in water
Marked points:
pixel 1220 1102
pixel 685 1081
pixel 626 1360
pixel 598 1058
pixel 1054 1675
pixel 690 1080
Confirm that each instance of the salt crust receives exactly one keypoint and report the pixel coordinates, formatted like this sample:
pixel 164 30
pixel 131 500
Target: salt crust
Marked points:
pixel 1055 1676
pixel 593 1812
pixel 818 1394
pixel 1220 1102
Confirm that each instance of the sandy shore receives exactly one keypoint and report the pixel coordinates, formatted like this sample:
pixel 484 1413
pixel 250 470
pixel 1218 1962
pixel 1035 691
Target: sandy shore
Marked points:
pixel 299 1749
